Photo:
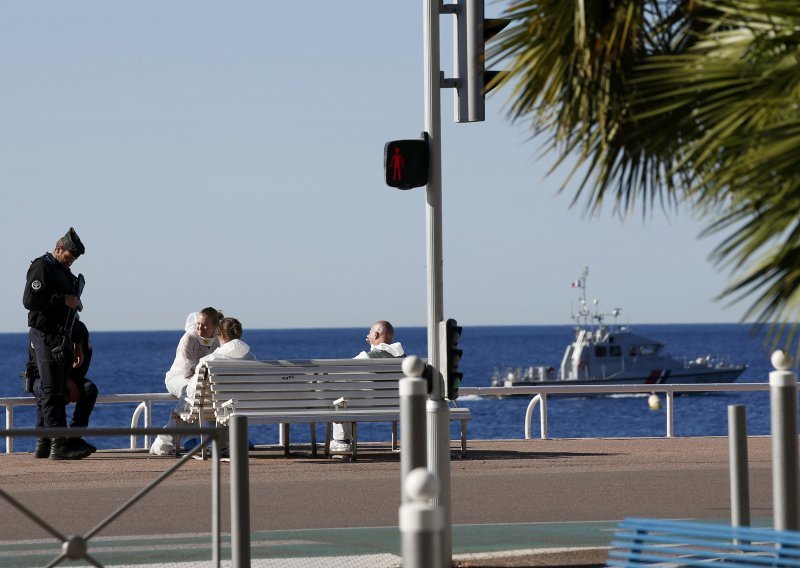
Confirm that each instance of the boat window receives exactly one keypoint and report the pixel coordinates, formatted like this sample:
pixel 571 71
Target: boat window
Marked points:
pixel 600 351
pixel 615 351
pixel 648 349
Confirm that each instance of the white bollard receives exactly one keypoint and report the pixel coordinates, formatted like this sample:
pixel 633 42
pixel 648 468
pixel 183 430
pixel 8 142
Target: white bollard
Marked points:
pixel 783 420
pixel 413 420
pixel 421 521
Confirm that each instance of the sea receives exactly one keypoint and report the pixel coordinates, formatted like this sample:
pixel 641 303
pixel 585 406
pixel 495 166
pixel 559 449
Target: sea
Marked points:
pixel 135 362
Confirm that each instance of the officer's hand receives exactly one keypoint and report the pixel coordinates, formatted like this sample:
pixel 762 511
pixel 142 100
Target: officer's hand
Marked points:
pixel 71 301
pixel 78 360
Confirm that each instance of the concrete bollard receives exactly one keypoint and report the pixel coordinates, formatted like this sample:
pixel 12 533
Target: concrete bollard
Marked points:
pixel 783 422
pixel 740 479
pixel 413 434
pixel 421 521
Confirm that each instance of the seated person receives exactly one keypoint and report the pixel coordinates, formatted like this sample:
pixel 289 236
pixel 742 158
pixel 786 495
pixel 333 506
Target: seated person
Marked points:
pixel 80 390
pixel 199 340
pixel 380 338
pixel 231 346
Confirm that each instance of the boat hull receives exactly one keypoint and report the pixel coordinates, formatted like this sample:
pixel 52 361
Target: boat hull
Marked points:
pixel 672 377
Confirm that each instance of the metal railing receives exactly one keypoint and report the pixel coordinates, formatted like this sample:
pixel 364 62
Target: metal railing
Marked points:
pixel 540 394
pixel 143 410
pixel 77 547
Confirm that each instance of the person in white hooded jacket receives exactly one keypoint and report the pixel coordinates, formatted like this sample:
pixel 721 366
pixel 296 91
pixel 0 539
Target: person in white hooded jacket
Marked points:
pixel 199 340
pixel 231 346
pixel 380 338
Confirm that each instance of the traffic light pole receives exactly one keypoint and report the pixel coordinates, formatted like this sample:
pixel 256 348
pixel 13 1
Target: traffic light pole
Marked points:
pixel 437 410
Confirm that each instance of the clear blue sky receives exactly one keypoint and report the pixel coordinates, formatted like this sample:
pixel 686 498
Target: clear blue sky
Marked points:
pixel 230 154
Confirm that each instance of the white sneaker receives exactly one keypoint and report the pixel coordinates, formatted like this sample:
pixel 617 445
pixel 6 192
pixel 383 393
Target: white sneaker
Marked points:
pixel 162 447
pixel 341 447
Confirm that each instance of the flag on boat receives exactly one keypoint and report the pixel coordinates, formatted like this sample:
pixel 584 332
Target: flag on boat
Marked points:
pixel 576 283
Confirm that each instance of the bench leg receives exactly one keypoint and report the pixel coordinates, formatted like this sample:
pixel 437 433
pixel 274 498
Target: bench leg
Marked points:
pixel 285 430
pixel 313 439
pixel 394 436
pixel 328 428
pixel 354 440
pixel 463 439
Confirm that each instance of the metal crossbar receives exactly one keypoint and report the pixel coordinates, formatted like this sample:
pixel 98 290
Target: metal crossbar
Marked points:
pixel 640 541
pixel 76 547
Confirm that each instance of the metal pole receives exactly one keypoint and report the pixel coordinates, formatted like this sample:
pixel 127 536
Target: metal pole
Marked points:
pixel 421 521
pixel 240 493
pixel 413 451
pixel 216 510
pixel 740 481
pixel 783 413
pixel 438 412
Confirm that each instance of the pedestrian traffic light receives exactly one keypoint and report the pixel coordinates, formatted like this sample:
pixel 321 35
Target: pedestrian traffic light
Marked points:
pixel 405 163
pixel 473 79
pixel 452 378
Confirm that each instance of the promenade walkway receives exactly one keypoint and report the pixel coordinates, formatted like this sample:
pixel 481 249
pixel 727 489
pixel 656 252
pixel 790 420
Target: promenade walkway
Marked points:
pixel 515 503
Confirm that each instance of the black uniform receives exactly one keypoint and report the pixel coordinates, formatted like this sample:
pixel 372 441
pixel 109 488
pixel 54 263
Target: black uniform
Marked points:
pixel 87 390
pixel 48 281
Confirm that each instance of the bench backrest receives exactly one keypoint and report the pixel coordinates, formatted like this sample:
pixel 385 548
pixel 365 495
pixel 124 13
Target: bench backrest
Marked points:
pixel 308 384
pixel 639 541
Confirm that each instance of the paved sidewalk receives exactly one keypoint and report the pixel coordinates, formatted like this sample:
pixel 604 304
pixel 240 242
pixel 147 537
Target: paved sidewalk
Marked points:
pixel 515 503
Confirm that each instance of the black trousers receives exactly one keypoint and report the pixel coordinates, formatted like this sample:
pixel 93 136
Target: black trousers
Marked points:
pixel 51 401
pixel 87 396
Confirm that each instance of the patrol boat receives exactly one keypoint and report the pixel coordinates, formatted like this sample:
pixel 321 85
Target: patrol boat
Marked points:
pixel 613 354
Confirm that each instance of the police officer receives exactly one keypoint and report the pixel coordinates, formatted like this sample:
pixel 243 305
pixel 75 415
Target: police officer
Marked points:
pixel 51 291
pixel 80 390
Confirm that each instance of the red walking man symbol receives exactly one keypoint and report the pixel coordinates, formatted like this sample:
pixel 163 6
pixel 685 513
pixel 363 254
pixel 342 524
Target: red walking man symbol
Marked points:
pixel 397 163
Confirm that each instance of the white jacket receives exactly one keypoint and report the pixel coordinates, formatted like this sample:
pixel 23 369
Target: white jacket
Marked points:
pixel 234 349
pixel 395 349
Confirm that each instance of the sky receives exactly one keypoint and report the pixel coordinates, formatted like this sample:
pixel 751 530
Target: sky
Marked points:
pixel 230 154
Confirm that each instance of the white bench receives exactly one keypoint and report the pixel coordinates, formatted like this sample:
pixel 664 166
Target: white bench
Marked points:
pixel 303 391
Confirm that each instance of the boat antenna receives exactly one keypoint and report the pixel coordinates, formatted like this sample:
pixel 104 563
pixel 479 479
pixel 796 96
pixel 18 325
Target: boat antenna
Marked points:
pixel 583 312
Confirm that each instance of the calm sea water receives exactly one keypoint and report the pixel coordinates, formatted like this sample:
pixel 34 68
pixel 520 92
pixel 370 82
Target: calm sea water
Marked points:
pixel 135 362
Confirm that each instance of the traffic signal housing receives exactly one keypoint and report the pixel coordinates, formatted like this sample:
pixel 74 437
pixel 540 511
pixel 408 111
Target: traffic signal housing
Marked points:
pixel 452 358
pixel 405 163
pixel 473 79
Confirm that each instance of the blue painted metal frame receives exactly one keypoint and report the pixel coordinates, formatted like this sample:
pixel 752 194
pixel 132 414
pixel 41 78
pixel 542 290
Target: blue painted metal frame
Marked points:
pixel 639 541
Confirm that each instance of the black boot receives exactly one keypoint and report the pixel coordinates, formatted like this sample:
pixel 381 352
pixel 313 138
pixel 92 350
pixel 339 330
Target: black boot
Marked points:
pixel 60 450
pixel 81 447
pixel 42 448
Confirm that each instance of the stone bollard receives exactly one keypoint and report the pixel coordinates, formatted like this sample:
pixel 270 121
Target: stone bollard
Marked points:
pixel 421 521
pixel 783 421
pixel 413 432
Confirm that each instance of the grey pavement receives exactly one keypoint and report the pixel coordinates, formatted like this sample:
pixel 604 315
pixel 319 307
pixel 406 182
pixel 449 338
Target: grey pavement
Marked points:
pixel 515 503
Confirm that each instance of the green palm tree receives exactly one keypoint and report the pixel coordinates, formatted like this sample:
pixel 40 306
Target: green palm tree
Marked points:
pixel 675 102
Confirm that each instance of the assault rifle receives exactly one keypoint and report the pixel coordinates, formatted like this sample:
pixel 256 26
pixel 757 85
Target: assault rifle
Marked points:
pixel 63 347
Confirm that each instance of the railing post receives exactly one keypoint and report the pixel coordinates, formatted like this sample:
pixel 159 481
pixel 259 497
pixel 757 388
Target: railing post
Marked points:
pixel 670 414
pixel 740 480
pixel 543 418
pixel 783 421
pixel 9 426
pixel 413 434
pixel 240 493
pixel 421 521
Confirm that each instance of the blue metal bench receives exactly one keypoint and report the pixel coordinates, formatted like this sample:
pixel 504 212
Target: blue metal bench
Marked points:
pixel 640 542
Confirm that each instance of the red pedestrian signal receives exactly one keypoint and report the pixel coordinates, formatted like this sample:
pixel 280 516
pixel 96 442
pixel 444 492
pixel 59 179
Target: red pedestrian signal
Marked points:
pixel 405 163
